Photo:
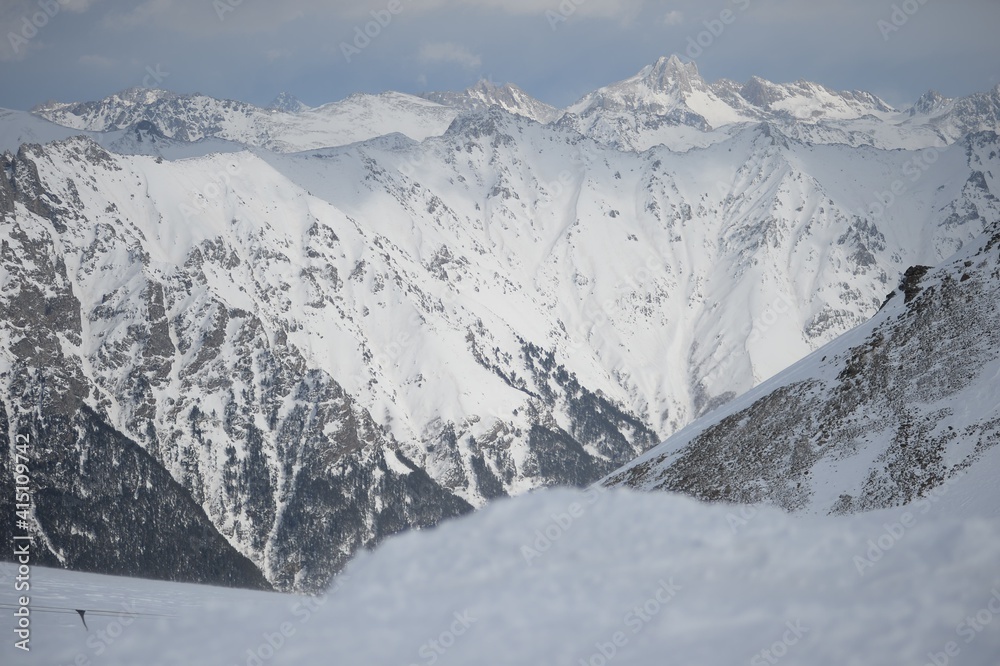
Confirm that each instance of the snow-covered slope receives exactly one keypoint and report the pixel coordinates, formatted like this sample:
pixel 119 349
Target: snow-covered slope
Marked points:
pixel 567 578
pixel 194 117
pixel 20 127
pixel 883 415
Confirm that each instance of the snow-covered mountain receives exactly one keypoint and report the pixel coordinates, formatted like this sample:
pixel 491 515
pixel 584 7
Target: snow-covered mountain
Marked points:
pixel 288 103
pixel 321 348
pixel 956 117
pixel 884 415
pixel 808 101
pixel 664 101
pixel 195 117
pixel 508 97
pixel 667 87
pixel 669 103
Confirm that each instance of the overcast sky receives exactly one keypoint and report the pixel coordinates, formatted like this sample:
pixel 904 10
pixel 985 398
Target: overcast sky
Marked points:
pixel 253 49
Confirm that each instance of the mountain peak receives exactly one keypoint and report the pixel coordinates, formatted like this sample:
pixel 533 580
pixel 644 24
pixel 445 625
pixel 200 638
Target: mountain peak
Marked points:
pixel 760 92
pixel 485 94
pixel 287 102
pixel 928 103
pixel 487 85
pixel 671 72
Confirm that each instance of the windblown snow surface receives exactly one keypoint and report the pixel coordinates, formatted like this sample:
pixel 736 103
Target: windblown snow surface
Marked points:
pixel 585 577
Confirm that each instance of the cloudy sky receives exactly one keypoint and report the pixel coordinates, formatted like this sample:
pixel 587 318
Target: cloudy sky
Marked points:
pixel 555 49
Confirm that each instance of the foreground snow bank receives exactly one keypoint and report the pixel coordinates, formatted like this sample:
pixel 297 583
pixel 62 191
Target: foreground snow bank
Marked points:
pixel 564 577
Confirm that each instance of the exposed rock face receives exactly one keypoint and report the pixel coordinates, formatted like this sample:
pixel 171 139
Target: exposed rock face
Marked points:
pixel 294 474
pixel 886 414
pixel 508 97
pixel 103 504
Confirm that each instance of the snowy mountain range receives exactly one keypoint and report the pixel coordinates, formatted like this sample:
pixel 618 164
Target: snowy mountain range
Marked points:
pixel 285 127
pixel 667 103
pixel 321 326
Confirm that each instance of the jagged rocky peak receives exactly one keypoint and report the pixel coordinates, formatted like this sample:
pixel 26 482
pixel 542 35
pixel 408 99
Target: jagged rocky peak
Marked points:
pixel 140 96
pixel 130 97
pixel 761 92
pixel 487 88
pixel 817 100
pixel 928 103
pixel 486 93
pixel 657 90
pixel 490 93
pixel 288 103
pixel 148 128
pixel 490 121
pixel 670 73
